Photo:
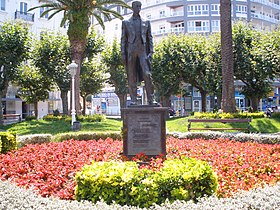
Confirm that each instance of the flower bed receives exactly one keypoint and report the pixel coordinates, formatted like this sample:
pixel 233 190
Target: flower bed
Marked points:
pixel 50 168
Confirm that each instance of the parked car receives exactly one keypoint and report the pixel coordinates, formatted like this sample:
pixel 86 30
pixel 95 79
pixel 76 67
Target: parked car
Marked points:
pixel 171 111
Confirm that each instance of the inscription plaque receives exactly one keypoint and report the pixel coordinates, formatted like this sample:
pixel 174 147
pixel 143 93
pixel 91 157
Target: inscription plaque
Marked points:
pixel 144 131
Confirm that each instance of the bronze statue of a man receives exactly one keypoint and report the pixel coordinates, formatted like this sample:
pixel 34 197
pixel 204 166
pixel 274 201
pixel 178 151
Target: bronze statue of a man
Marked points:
pixel 137 50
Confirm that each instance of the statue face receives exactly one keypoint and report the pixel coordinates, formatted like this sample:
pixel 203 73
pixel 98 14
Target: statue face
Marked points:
pixel 136 7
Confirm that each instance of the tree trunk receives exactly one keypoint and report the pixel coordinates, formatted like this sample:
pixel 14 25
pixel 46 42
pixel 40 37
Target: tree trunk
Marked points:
pixel 1 111
pixel 228 101
pixel 123 99
pixel 203 101
pixel 63 95
pixel 84 105
pixel 36 109
pixel 219 101
pixel 254 103
pixel 3 94
pixel 165 101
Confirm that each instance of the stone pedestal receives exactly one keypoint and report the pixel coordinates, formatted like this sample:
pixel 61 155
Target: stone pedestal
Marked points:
pixel 144 130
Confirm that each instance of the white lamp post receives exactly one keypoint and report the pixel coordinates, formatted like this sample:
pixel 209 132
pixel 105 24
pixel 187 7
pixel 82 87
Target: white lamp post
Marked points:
pixel 73 69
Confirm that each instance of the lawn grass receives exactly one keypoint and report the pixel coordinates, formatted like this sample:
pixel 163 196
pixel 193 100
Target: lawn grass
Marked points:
pixel 56 127
pixel 179 124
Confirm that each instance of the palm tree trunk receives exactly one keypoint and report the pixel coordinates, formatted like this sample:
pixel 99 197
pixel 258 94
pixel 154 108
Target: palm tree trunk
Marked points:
pixel 228 102
pixel 63 95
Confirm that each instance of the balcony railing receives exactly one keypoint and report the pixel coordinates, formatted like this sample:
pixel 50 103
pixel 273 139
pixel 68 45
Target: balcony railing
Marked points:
pixel 263 17
pixel 171 30
pixel 267 3
pixel 24 16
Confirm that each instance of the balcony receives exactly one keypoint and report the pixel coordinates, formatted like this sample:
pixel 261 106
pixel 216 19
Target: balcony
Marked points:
pixel 264 17
pixel 171 30
pixel 24 16
pixel 267 3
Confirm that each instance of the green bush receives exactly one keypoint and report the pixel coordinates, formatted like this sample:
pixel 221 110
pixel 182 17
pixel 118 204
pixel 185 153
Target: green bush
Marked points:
pixel 56 113
pixel 86 136
pixel 91 118
pixel 126 184
pixel 8 142
pixel 211 115
pixel 275 115
pixel 30 118
pixel 51 117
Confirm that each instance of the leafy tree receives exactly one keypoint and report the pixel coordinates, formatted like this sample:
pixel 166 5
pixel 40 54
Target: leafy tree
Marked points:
pixel 228 101
pixel 166 67
pixel 77 13
pixel 111 58
pixel 51 57
pixel 252 63
pixel 34 86
pixel 14 48
pixel 92 80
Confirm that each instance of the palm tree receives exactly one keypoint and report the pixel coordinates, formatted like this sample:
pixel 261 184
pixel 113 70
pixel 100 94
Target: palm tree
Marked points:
pixel 77 14
pixel 228 102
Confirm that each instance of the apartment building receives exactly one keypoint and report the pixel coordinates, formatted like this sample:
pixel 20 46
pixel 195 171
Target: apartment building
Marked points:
pixel 13 10
pixel 197 16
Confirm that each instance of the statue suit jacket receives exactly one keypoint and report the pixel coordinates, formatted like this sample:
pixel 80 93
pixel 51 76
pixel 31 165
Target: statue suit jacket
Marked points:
pixel 128 35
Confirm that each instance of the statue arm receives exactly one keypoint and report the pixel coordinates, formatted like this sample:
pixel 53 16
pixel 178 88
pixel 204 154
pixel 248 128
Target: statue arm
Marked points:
pixel 124 43
pixel 150 39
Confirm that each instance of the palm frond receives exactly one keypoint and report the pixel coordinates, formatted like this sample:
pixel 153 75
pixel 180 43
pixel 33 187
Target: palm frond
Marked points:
pixel 53 14
pixel 99 20
pixel 110 11
pixel 51 5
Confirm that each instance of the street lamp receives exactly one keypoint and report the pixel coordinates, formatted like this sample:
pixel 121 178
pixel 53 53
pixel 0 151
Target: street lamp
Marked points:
pixel 73 69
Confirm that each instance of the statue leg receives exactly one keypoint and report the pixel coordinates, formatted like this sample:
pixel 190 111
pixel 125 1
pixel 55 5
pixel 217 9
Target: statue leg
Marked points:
pixel 147 79
pixel 131 76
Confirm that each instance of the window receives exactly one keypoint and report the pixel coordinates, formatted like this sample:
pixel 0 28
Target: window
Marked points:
pixel 198 10
pixel 43 9
pixel 241 9
pixel 215 9
pixel 162 13
pixel 3 5
pixel 215 25
pixel 23 7
pixel 162 28
pixel 198 26
pixel 116 26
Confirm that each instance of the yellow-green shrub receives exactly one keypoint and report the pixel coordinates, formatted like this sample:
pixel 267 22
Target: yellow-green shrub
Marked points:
pixel 91 118
pixel 8 142
pixel 126 184
pixel 211 115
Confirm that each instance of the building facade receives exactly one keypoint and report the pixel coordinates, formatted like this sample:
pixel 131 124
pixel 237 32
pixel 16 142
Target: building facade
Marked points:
pixel 13 10
pixel 196 16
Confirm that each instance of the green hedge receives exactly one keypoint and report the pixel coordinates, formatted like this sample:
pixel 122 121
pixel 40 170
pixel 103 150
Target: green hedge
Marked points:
pixel 8 142
pixel 86 136
pixel 126 184
pixel 91 118
pixel 211 115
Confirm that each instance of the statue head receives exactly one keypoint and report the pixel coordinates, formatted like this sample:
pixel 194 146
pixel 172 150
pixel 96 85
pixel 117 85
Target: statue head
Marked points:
pixel 136 7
